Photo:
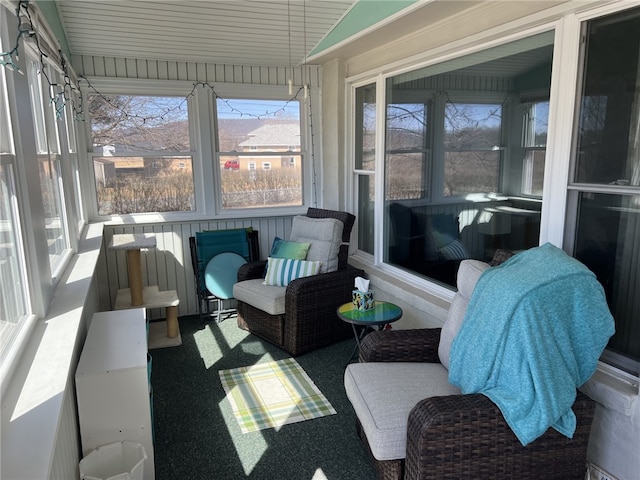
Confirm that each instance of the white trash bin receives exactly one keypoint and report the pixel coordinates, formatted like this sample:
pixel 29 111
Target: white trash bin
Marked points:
pixel 115 461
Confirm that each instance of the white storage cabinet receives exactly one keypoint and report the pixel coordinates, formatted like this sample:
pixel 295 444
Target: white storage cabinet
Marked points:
pixel 113 390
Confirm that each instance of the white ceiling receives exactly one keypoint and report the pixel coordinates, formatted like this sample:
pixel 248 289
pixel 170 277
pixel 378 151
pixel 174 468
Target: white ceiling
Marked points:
pixel 240 32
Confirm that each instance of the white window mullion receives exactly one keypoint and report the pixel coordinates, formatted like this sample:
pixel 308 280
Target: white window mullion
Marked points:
pixel 562 101
pixel 381 122
pixel 203 138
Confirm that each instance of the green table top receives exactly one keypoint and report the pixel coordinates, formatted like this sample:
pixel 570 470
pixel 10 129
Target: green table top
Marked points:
pixel 381 313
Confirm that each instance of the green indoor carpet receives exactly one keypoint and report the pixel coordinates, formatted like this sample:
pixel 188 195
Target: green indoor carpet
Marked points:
pixel 197 434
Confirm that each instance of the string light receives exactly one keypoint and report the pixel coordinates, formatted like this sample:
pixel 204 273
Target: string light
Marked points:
pixel 10 59
pixel 60 95
pixel 161 116
pixel 66 93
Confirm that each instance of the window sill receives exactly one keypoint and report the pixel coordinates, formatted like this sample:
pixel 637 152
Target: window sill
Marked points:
pixel 156 218
pixel 35 395
pixel 613 390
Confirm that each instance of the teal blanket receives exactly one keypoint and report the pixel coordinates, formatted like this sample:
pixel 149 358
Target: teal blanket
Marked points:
pixel 533 332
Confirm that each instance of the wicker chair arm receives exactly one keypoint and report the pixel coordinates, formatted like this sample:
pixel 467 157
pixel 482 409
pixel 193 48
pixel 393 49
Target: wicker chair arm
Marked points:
pixel 415 345
pixel 310 310
pixel 252 270
pixel 466 436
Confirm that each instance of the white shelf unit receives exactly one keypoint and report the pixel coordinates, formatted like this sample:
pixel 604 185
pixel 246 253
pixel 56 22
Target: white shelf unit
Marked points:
pixel 112 384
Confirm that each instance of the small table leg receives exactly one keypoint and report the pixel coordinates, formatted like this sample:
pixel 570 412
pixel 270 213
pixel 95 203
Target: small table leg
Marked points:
pixel 360 336
pixel 356 348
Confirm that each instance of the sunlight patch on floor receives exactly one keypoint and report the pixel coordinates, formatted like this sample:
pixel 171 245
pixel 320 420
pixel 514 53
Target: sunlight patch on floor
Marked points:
pixel 250 447
pixel 233 336
pixel 207 344
pixel 255 347
pixel 319 475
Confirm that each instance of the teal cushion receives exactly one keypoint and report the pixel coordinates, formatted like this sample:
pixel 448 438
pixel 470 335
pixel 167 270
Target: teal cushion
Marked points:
pixel 281 271
pixel 288 249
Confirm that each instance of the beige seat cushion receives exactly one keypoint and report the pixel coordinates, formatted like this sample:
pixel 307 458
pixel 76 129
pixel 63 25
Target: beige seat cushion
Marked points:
pixel 325 237
pixel 383 394
pixel 267 298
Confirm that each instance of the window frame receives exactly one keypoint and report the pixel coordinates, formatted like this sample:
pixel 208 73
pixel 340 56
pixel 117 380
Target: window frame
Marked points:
pixel 440 150
pixel 10 345
pixel 47 133
pixel 576 188
pixel 202 127
pixel 157 88
pixel 434 59
pixel 528 145
pixel 306 154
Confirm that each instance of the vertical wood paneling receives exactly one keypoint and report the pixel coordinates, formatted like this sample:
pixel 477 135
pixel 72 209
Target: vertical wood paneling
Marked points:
pixel 100 67
pixel 67 454
pixel 172 70
pixel 196 72
pixel 141 69
pixel 163 70
pixel 131 67
pixel 121 67
pixel 152 69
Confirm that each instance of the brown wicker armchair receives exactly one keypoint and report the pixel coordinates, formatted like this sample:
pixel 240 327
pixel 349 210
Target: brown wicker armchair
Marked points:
pixel 448 435
pixel 466 436
pixel 309 320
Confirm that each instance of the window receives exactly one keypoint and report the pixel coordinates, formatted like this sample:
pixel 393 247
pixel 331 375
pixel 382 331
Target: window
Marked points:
pixel 472 148
pixel 259 132
pixel 408 151
pixel 12 301
pixel 13 304
pixel 49 163
pixel 455 158
pixel 534 146
pixel 68 134
pixel 365 163
pixel 142 154
pixel 604 194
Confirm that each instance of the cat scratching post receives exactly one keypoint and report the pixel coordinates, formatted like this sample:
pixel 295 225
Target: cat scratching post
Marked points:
pixel 150 296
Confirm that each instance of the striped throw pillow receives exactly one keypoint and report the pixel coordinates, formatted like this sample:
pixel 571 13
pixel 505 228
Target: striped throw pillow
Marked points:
pixel 281 271
pixel 454 251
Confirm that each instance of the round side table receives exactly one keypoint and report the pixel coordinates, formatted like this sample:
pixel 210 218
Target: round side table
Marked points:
pixel 381 315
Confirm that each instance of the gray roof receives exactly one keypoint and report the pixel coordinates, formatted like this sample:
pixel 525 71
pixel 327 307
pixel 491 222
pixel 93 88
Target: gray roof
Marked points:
pixel 274 134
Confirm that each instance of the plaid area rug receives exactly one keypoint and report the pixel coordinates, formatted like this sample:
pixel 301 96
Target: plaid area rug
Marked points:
pixel 269 395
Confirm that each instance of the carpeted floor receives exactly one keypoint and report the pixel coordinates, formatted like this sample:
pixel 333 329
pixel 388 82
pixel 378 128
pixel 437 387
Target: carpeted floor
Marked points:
pixel 197 436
